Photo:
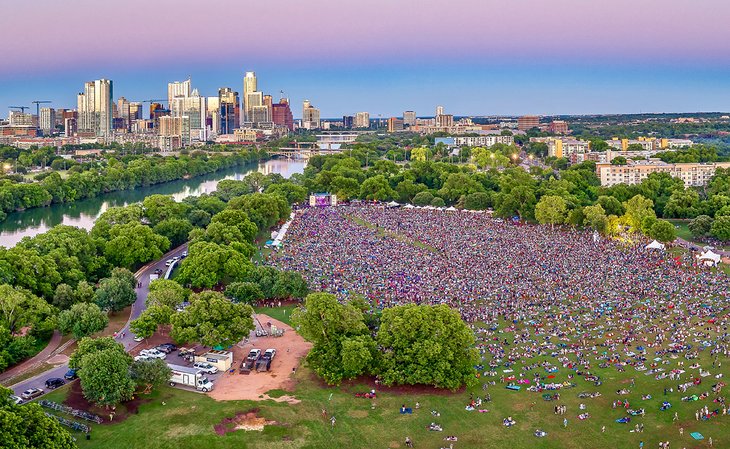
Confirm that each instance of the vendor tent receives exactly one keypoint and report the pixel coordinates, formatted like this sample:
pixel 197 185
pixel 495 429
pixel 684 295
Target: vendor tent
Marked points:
pixel 408 206
pixel 451 208
pixel 710 258
pixel 393 204
pixel 655 245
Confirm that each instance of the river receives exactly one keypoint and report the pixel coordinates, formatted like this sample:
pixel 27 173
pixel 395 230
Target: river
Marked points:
pixel 84 213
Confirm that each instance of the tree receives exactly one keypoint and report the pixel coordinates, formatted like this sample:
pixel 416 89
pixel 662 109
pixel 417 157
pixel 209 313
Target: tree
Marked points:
pixel 115 293
pixel 518 201
pixel 64 297
pixel 176 230
pixel 575 217
pixel 149 374
pixel 438 202
pixel 423 199
pixel 263 209
pixel 551 210
pixel 89 345
pixel 420 154
pixel 682 203
pixel 458 185
pixel 209 263
pixel 28 426
pixel 339 335
pixel 663 231
pixel 477 201
pixel 20 308
pixel 638 209
pixel 105 377
pixel 619 160
pixel 245 292
pixel 238 219
pixel 158 208
pixel 150 320
pixel 164 292
pixel 595 218
pixel 212 320
pixel 133 244
pixel 377 188
pixel 700 226
pixel 428 345
pixel 721 228
pixel 292 192
pixel 611 205
pixel 82 320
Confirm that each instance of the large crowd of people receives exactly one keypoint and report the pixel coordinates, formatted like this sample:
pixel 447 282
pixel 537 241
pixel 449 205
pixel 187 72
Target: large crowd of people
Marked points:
pixel 539 299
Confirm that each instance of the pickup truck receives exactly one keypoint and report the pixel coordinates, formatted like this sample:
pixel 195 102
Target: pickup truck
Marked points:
pixel 264 363
pixel 249 362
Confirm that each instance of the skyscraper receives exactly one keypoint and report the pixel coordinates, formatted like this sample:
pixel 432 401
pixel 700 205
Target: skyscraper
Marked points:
pixel 191 106
pixel 95 109
pixel 362 120
pixel 249 87
pixel 281 114
pixel 347 121
pixel 310 116
pixel 409 118
pixel 178 89
pixel 47 121
pixel 229 110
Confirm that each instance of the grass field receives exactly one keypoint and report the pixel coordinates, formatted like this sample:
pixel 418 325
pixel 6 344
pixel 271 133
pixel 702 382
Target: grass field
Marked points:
pixel 683 233
pixel 282 313
pixel 187 419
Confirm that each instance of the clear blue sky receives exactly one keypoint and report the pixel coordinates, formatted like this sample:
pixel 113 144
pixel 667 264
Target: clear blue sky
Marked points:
pixel 474 57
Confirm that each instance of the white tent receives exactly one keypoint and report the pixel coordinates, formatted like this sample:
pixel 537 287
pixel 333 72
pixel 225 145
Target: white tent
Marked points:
pixel 393 204
pixel 655 245
pixel 451 208
pixel 408 206
pixel 710 258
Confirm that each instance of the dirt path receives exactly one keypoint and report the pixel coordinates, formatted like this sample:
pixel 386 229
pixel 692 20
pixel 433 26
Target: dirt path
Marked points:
pixel 290 348
pixel 36 360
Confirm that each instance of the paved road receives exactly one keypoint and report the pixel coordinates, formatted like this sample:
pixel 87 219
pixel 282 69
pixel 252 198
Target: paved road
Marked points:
pixel 143 276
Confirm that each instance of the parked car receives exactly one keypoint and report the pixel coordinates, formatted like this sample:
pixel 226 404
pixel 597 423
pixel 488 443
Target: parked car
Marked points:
pixel 206 367
pixel 70 374
pixel 158 271
pixel 153 353
pixel 17 400
pixel 184 254
pixel 141 358
pixel 138 338
pixel 168 262
pixel 167 348
pixel 32 393
pixel 54 383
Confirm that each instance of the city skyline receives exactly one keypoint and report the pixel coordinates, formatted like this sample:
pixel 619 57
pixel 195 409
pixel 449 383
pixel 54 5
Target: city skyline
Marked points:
pixel 476 58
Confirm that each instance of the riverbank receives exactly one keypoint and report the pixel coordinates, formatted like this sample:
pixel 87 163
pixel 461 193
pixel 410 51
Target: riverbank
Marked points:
pixel 83 213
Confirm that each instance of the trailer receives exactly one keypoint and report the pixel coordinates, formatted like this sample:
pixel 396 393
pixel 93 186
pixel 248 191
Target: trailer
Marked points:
pixel 190 377
pixel 249 363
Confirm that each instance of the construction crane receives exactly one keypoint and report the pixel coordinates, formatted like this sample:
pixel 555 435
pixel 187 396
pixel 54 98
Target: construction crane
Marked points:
pixel 37 104
pixel 22 108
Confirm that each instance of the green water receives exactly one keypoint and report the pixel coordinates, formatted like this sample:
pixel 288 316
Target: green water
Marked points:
pixel 84 213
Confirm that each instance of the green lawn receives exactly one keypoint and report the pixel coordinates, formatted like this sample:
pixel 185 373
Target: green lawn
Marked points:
pixel 188 419
pixel 282 313
pixel 683 233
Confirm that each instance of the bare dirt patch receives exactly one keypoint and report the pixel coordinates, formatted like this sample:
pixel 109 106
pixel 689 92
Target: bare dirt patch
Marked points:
pixel 290 349
pixel 77 400
pixel 246 421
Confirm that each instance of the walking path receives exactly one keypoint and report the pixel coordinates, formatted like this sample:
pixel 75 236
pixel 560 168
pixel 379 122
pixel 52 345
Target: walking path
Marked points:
pixel 35 361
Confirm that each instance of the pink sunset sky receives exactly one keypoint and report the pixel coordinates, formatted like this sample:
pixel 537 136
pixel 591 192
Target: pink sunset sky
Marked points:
pixel 134 37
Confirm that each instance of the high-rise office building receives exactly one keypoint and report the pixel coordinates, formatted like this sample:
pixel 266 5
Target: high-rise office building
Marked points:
pixel 95 108
pixel 158 110
pixel 439 110
pixel 47 121
pixel 409 118
pixel 135 112
pixel 281 114
pixel 259 114
pixel 213 116
pixel 249 87
pixel 347 121
pixel 269 102
pixel 229 110
pixel 310 116
pixel 362 120
pixel 178 89
pixel 253 100
pixel 193 107
pixel 123 111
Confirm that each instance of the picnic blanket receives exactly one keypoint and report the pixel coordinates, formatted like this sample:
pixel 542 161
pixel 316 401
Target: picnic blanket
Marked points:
pixel 406 411
pixel 697 436
pixel 514 387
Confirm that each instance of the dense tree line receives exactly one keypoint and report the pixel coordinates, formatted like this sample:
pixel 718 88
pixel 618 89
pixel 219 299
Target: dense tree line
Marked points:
pixel 109 174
